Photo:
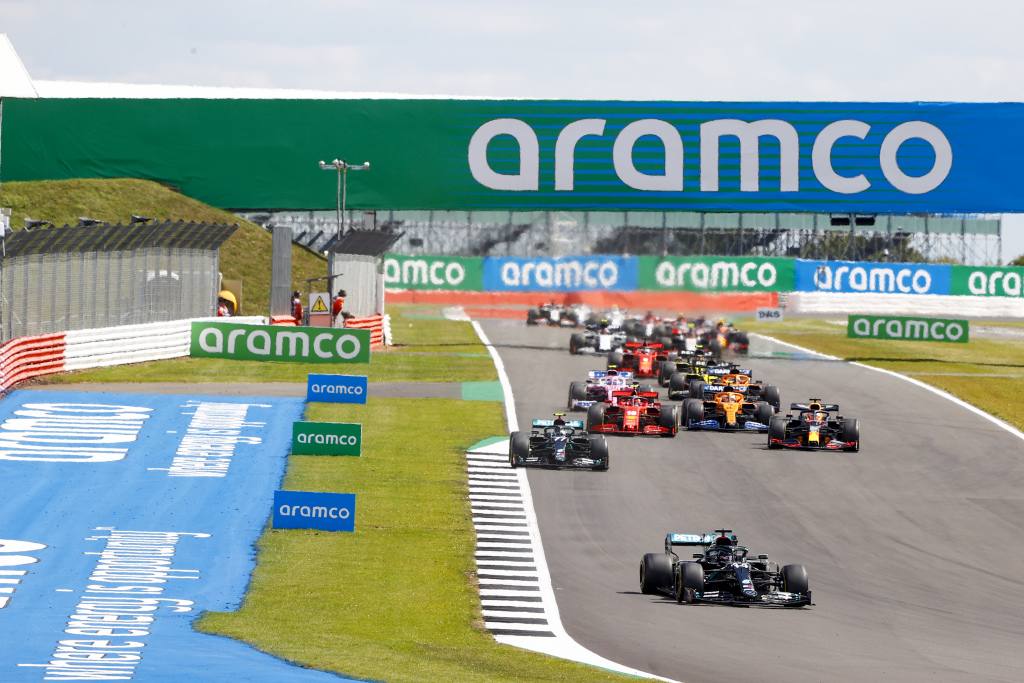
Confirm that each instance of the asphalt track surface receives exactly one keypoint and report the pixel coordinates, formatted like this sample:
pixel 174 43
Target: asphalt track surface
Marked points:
pixel 914 545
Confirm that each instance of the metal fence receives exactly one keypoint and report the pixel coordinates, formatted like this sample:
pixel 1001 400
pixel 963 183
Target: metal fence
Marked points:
pixel 85 277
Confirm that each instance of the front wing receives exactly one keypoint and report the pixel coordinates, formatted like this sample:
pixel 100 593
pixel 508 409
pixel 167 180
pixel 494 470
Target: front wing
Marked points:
pixel 797 444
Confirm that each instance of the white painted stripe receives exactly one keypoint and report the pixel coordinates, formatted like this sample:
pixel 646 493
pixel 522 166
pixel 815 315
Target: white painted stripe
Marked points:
pixel 506 386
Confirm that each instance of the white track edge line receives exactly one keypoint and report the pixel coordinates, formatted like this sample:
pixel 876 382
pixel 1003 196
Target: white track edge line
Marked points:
pixel 562 645
pixel 924 385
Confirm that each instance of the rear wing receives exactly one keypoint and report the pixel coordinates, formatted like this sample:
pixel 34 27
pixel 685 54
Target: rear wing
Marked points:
pixel 719 371
pixel 742 371
pixel 829 407
pixel 640 345
pixel 598 374
pixel 719 388
pixel 673 540
pixel 578 424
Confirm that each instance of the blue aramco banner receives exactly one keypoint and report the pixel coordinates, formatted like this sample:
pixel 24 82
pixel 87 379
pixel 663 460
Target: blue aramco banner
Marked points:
pixel 566 274
pixel 336 388
pixel 311 510
pixel 862 276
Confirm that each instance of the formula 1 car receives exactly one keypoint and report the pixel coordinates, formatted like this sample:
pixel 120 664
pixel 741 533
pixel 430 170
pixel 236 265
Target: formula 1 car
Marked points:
pixel 756 391
pixel 600 338
pixel 722 336
pixel 814 428
pixel 557 314
pixel 722 574
pixel 558 443
pixel 687 382
pixel 633 412
pixel 640 358
pixel 598 388
pixel 726 408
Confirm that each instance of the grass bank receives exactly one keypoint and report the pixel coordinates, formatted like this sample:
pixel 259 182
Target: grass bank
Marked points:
pixel 397 599
pixel 964 370
pixel 460 358
pixel 245 256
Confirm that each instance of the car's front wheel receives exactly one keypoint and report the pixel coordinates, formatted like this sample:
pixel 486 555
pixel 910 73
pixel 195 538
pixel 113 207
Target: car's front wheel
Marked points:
pixel 655 573
pixel 689 581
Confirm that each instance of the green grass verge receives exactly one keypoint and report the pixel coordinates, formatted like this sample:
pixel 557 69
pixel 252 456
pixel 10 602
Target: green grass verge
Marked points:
pixel 244 256
pixel 927 361
pixel 396 600
pixel 415 335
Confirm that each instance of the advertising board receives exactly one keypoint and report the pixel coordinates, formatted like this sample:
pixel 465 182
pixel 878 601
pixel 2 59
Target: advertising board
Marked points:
pixel 986 281
pixel 312 510
pixel 864 276
pixel 907 329
pixel 336 388
pixel 327 438
pixel 433 272
pixel 570 273
pixel 715 274
pixel 279 343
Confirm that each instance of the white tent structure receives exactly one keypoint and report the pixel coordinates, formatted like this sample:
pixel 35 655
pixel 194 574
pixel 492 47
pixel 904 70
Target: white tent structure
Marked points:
pixel 14 82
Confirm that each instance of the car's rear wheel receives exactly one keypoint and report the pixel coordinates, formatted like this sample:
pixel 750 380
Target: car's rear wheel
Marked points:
pixel 518 448
pixel 577 391
pixel 614 360
pixel 776 430
pixel 599 451
pixel 771 395
pixel 666 342
pixel 716 347
pixel 851 432
pixel 645 387
pixel 665 371
pixel 696 389
pixel 794 579
pixel 694 412
pixel 595 416
pixel 689 580
pixel 676 386
pixel 531 316
pixel 765 412
pixel 669 419
pixel 655 573
pixel 577 342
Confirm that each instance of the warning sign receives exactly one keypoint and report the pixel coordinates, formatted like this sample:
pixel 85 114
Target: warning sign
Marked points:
pixel 319 303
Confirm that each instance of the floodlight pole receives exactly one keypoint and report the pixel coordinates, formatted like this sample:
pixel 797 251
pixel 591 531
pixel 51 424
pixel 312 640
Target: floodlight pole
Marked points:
pixel 342 167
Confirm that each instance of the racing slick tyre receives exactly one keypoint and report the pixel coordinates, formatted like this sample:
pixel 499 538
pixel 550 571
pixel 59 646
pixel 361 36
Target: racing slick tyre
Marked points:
pixel 669 419
pixel 716 347
pixel 645 387
pixel 655 573
pixel 666 342
pixel 696 389
pixel 518 448
pixel 595 416
pixel 665 371
pixel 531 316
pixel 614 360
pixel 771 394
pixel 689 580
pixel 851 432
pixel 694 412
pixel 576 342
pixel 765 412
pixel 599 451
pixel 577 391
pixel 794 579
pixel 676 386
pixel 776 430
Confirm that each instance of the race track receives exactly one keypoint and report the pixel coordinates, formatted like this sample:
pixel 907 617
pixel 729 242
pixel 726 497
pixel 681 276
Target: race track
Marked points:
pixel 913 546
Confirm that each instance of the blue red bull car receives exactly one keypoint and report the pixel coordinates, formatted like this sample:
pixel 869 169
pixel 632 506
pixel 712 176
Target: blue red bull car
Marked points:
pixel 816 426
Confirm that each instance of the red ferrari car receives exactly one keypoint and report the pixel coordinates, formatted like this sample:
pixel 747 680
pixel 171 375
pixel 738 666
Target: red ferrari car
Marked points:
pixel 633 412
pixel 643 360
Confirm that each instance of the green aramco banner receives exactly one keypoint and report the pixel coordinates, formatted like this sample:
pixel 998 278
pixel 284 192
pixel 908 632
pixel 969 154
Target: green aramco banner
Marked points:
pixel 907 329
pixel 716 274
pixel 326 438
pixel 279 343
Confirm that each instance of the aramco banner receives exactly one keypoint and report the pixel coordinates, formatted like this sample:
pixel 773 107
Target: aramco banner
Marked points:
pixel 716 274
pixel 907 329
pixel 279 343
pixel 433 272
pixel 503 155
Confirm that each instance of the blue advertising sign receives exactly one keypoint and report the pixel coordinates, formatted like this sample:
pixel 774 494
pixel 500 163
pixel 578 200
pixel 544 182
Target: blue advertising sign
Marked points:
pixel 311 510
pixel 147 506
pixel 863 276
pixel 336 388
pixel 569 273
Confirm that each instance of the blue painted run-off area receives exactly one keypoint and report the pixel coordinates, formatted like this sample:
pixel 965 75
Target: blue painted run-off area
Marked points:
pixel 148 512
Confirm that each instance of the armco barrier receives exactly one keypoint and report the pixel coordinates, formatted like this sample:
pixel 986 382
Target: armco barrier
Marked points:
pixel 822 303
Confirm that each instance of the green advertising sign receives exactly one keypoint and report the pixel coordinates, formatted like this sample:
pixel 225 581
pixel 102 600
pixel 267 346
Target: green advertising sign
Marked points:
pixel 912 329
pixel 327 438
pixel 279 343
pixel 986 281
pixel 433 272
pixel 716 274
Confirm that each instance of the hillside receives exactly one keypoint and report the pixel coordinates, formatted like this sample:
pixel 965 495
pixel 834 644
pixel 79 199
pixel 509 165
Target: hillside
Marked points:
pixel 245 256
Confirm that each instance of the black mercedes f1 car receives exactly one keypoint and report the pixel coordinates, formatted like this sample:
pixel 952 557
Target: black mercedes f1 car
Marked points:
pixel 557 444
pixel 722 574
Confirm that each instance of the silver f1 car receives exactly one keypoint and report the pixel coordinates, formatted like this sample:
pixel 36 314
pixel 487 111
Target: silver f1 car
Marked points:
pixel 722 574
pixel 557 444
